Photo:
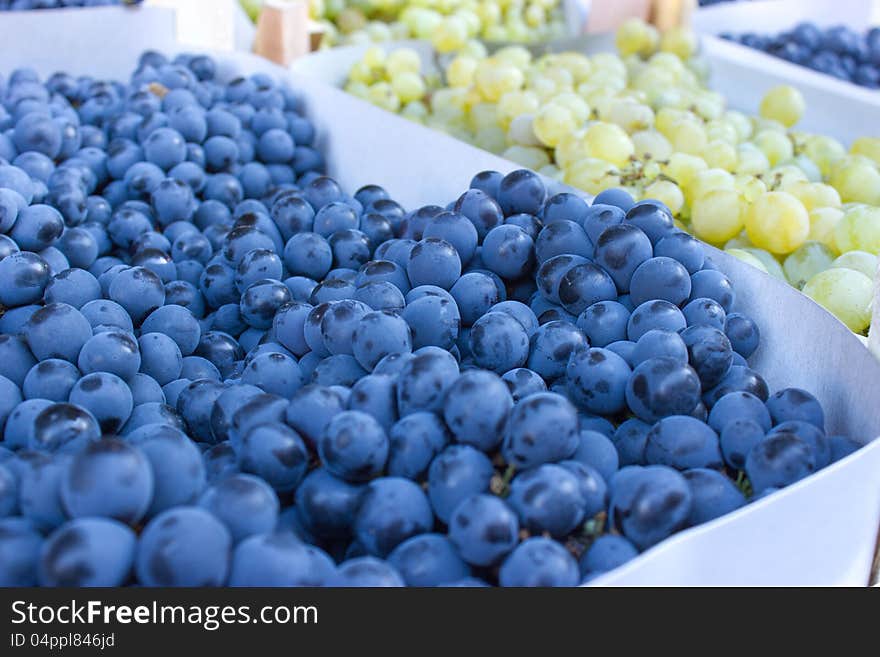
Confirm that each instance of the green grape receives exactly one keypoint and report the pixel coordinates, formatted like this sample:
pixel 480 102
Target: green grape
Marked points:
pixel 845 293
pixel 858 230
pixel 777 222
pixel 861 261
pixel 784 104
pixel 748 258
pixel 806 261
pixel 771 264
pixel 717 215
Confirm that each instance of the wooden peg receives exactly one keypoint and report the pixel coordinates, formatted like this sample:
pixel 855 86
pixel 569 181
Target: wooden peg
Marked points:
pixel 283 31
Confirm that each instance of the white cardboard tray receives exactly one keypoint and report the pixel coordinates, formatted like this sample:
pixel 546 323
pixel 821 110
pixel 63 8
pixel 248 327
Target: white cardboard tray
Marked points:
pixel 822 531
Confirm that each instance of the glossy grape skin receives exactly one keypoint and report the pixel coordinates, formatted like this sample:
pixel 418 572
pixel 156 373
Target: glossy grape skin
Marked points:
pixel 279 559
pixel 539 562
pixel 542 428
pixel 738 378
pixel 275 453
pixel 607 552
pixel 654 315
pixel 327 504
pixel 88 490
pixel 354 446
pixel 739 406
pixel 547 498
pixel 476 409
pixel 661 387
pixel 484 529
pixel 712 284
pixel 183 546
pixel 597 380
pixel 780 459
pixel 458 472
pixel 621 249
pixel 414 441
pixel 683 442
pixel 93 552
pixel 714 495
pixel 743 334
pixel 62 426
pixel 424 379
pixel 367 572
pixel 245 504
pixel 795 404
pixel 649 504
pixel 428 560
pixel 20 546
pixel 392 510
pixel 24 276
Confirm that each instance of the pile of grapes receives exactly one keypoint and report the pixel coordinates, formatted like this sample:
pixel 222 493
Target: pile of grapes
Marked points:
pixel 838 51
pixel 798 206
pixel 25 5
pixel 450 25
pixel 217 367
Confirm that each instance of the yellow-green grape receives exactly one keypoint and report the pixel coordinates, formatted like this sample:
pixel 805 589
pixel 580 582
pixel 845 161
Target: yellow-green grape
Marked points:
pixel 775 145
pixel 720 154
pixel 451 34
pixel 747 258
pixel 722 130
pixel 717 215
pixel 629 115
pixel 814 195
pixel 553 123
pixel 408 86
pixel 859 261
pixel 749 186
pixel 687 136
pixel 806 261
pixel 578 107
pixel 709 180
pixel 401 61
pixel 362 72
pixel 771 264
pixel 374 57
pixel 784 176
pixel 683 168
pixel 514 55
pixel 522 131
pixel 494 78
pixel 741 122
pixel 867 146
pixel 679 41
pixel 516 103
pixel 448 104
pixel 858 230
pixel 461 70
pixel 609 142
pixel 822 223
pixel 382 94
pixel 591 174
pixel 577 64
pixel 666 192
pixel 784 104
pixel 777 222
pixel 857 181
pixel 350 20
pixel 484 115
pixel 650 144
pixel 807 167
pixel 415 111
pixel 636 37
pixel 845 293
pixel 826 152
pixel 530 157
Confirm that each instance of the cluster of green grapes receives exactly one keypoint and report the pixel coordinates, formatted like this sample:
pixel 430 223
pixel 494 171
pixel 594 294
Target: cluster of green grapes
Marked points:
pixel 798 206
pixel 450 25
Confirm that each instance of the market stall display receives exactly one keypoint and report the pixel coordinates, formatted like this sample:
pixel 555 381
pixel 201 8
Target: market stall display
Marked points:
pixel 316 360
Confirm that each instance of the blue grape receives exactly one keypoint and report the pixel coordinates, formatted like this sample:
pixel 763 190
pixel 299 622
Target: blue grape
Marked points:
pixel 778 460
pixel 93 552
pixel 539 562
pixel 20 547
pixel 649 504
pixel 392 510
pixel 542 428
pixel 683 442
pixel 88 489
pixel 484 529
pixel 414 440
pixel 476 409
pixel 183 546
pixel 428 560
pixel 597 380
pixel 367 572
pixel 276 453
pixel 279 559
pixel 551 346
pixel 714 495
pixel 107 397
pixel 328 505
pixel 607 553
pixel 245 504
pixel 354 446
pixel 795 404
pixel 548 498
pixel 660 387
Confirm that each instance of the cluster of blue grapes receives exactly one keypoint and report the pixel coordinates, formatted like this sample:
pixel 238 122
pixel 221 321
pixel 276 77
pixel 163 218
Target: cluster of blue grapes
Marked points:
pixel 216 367
pixel 26 5
pixel 838 51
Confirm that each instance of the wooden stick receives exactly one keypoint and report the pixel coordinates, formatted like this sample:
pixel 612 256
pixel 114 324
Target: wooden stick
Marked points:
pixel 283 31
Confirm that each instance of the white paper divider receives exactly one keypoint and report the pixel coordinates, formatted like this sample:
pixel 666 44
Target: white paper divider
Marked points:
pixel 774 16
pixel 820 531
pixel 115 36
